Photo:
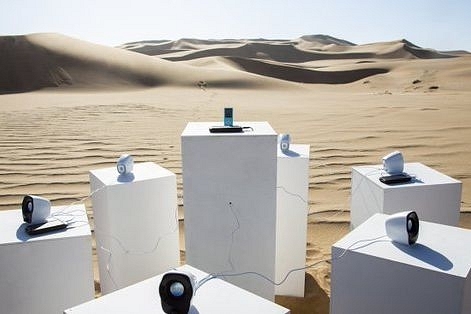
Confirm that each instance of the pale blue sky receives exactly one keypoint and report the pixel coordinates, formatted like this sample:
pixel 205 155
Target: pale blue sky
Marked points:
pixel 438 24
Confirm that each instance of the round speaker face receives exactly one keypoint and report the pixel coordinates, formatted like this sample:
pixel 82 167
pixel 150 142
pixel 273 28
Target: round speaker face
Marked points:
pixel 176 292
pixel 412 227
pixel 121 168
pixel 27 208
pixel 177 289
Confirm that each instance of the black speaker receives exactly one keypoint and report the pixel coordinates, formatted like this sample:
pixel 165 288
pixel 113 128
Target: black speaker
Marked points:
pixel 176 291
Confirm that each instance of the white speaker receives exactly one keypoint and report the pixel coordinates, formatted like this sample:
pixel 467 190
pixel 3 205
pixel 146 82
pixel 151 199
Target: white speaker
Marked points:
pixel 176 291
pixel 284 140
pixel 393 163
pixel 403 227
pixel 125 164
pixel 35 209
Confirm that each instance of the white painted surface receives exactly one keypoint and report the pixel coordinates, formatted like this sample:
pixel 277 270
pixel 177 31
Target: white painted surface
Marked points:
pixel 292 206
pixel 215 296
pixel 379 276
pixel 434 196
pixel 229 183
pixel 45 273
pixel 135 224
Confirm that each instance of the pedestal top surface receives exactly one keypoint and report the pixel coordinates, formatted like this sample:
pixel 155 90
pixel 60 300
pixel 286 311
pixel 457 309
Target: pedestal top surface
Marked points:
pixel 422 175
pixel 12 227
pixel 439 247
pixel 141 172
pixel 215 296
pixel 202 129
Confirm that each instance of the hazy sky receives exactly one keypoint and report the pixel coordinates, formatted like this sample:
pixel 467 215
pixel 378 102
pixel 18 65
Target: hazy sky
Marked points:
pixel 438 24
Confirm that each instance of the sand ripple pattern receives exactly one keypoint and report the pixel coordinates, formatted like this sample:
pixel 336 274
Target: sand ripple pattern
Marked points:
pixel 49 152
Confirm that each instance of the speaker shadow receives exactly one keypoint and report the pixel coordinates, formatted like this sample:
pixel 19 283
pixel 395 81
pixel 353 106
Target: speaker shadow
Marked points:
pixel 291 153
pixel 426 255
pixel 23 236
pixel 21 233
pixel 126 177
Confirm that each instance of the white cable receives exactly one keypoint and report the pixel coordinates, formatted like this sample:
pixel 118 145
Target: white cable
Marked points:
pixel 62 213
pixel 234 231
pixel 68 218
pixel 246 273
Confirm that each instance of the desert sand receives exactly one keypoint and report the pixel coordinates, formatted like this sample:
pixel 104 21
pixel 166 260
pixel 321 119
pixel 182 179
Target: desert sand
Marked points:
pixel 69 106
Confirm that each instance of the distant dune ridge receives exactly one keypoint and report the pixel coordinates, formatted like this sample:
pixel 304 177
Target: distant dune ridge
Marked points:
pixel 37 61
pixel 50 60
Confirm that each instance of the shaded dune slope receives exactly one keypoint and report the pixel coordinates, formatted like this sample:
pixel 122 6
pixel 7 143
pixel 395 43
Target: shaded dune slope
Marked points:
pixel 38 61
pixel 303 75
pixel 275 52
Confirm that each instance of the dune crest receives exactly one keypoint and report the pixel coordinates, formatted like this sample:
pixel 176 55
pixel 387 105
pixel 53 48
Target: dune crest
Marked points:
pixel 303 49
pixel 52 60
pixel 38 61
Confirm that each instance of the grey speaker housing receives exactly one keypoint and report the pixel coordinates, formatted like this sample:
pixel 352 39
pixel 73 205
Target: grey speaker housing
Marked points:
pixel 284 141
pixel 403 227
pixel 393 163
pixel 35 209
pixel 125 164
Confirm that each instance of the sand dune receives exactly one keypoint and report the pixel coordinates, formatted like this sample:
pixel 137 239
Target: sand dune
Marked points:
pixel 93 103
pixel 303 49
pixel 50 60
pixel 39 61
pixel 303 75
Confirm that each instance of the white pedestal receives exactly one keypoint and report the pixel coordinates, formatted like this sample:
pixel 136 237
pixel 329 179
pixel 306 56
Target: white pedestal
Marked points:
pixel 136 224
pixel 215 296
pixel 434 196
pixel 291 222
pixel 46 273
pixel 229 184
pixel 379 276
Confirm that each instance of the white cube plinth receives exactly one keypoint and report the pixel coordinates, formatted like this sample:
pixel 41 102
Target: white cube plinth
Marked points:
pixel 215 296
pixel 379 276
pixel 136 224
pixel 45 273
pixel 291 222
pixel 229 184
pixel 434 196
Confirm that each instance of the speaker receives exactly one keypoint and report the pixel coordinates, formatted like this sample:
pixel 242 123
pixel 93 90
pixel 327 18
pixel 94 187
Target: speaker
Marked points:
pixel 35 209
pixel 403 227
pixel 285 141
pixel 125 164
pixel 176 291
pixel 393 163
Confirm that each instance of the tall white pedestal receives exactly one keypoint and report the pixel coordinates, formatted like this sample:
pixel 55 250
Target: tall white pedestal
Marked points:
pixel 379 276
pixel 46 273
pixel 136 224
pixel 434 196
pixel 229 184
pixel 215 296
pixel 291 223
